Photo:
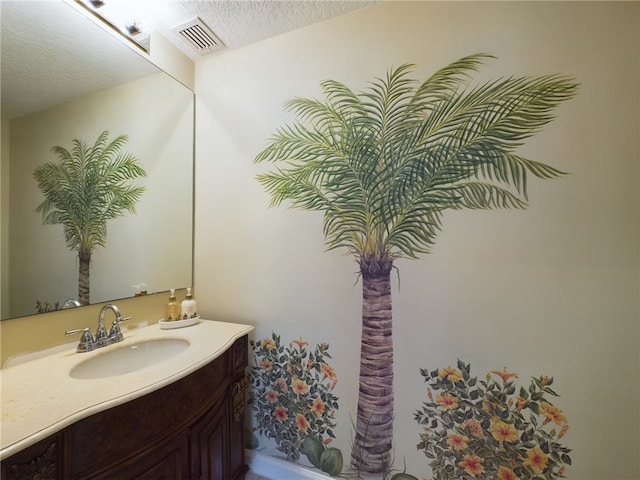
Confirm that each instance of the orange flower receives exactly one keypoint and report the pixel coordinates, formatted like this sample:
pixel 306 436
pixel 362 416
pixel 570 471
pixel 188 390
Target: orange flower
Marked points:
pixel 520 403
pixel 506 474
pixel 271 396
pixel 472 464
pixel 327 371
pixel 504 375
pixel 327 441
pixel 457 442
pixel 504 432
pixel 300 387
pixel 450 374
pixel 300 343
pixel 280 414
pixel 448 401
pixel 317 406
pixel 474 427
pixel 302 423
pixel 552 414
pixel 266 364
pixel 536 460
pixel 267 343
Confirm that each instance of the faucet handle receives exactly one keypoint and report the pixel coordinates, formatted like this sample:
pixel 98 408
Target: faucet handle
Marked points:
pixel 87 342
pixel 101 338
pixel 115 334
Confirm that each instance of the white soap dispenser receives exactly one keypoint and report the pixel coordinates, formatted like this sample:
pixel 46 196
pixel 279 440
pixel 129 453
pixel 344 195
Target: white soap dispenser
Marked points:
pixel 189 308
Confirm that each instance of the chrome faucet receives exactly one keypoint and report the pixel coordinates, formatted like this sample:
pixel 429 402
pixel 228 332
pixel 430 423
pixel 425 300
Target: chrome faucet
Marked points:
pixel 89 342
pixel 115 334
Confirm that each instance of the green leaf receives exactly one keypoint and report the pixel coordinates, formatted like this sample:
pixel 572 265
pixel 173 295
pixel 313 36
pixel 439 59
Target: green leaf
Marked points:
pixel 534 407
pixel 383 164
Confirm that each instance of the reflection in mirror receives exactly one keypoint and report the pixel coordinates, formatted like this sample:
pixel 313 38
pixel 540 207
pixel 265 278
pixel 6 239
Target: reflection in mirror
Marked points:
pixel 151 249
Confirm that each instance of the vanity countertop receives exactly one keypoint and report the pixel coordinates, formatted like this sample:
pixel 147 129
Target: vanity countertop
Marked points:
pixel 40 398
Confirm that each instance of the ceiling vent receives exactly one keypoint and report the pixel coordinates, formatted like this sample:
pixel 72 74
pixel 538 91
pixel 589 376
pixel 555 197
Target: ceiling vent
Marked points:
pixel 199 36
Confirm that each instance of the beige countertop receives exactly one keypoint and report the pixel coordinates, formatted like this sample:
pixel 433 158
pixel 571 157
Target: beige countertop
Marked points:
pixel 40 398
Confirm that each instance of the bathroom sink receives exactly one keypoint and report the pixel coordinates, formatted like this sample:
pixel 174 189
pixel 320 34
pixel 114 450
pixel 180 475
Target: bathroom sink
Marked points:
pixel 129 358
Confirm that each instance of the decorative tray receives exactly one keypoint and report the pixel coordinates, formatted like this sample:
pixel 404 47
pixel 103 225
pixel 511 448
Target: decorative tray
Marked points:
pixel 187 322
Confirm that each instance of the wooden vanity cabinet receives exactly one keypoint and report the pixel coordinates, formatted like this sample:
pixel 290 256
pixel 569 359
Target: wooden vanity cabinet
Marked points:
pixel 190 429
pixel 42 460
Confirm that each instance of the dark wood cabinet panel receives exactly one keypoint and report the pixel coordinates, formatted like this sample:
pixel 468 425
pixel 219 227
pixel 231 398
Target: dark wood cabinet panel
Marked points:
pixel 238 400
pixel 190 429
pixel 167 461
pixel 210 444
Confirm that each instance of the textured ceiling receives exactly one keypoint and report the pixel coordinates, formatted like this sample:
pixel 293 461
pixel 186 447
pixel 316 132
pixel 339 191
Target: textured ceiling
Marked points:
pixel 51 53
pixel 238 23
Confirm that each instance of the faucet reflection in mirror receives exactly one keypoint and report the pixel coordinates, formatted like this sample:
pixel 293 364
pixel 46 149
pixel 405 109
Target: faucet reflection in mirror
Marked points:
pixel 84 189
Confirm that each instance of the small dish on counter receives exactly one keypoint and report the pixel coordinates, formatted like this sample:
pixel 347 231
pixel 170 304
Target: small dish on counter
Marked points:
pixel 187 322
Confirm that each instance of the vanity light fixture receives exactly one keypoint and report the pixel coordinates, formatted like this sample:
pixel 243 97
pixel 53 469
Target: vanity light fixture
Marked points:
pixel 133 28
pixel 114 14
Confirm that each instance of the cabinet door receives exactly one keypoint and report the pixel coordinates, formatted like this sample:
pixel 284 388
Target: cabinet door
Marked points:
pixel 210 444
pixel 169 461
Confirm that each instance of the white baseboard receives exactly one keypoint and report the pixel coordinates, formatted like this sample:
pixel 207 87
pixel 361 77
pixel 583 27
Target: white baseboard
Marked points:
pixel 281 469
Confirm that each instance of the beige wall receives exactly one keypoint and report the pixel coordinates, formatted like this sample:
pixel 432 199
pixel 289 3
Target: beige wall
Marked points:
pixel 551 290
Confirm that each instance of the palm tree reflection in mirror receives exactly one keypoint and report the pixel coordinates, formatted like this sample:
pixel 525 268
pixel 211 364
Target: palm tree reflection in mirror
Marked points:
pixel 88 186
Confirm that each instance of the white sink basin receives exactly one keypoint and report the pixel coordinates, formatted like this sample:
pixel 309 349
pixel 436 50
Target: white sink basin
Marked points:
pixel 129 358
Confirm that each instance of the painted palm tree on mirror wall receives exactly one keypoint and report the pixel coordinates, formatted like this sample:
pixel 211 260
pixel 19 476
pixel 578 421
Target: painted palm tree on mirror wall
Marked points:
pixel 85 188
pixel 383 165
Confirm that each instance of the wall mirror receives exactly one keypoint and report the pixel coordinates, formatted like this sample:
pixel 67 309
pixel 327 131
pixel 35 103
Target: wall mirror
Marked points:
pixel 64 77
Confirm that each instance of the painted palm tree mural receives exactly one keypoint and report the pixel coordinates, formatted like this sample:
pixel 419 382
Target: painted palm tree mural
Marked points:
pixel 83 190
pixel 383 165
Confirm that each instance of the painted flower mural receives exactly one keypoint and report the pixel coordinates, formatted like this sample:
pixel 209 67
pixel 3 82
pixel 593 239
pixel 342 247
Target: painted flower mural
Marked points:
pixel 490 429
pixel 292 395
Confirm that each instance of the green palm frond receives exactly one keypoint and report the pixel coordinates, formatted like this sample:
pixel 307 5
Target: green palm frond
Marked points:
pixel 86 187
pixel 385 163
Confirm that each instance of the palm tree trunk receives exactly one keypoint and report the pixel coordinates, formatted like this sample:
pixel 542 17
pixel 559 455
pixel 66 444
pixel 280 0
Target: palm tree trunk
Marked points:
pixel 83 276
pixel 372 445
